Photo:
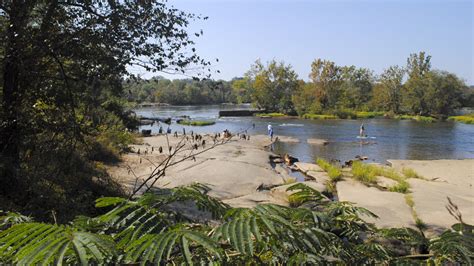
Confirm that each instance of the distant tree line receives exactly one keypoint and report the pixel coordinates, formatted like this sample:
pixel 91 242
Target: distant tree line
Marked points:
pixel 181 91
pixel 414 89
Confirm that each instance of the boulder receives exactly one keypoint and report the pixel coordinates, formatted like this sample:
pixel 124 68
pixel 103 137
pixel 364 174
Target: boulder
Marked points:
pixel 305 167
pixel 386 182
pixel 320 177
pixel 390 207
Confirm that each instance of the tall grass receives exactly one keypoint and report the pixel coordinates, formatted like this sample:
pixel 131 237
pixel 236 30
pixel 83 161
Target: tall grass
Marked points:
pixel 466 119
pixel 368 174
pixel 364 173
pixel 334 172
pixel 410 173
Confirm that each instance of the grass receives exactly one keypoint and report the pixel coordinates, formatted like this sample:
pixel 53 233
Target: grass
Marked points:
pixel 334 172
pixel 409 201
pixel 401 187
pixel 368 174
pixel 466 119
pixel 320 117
pixel 364 115
pixel 418 222
pixel 364 173
pixel 270 115
pixel 410 173
pixel 419 118
pixel 196 122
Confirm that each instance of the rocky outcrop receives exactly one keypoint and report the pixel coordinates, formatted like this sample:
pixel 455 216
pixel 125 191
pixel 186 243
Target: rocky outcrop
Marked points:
pixel 317 141
pixel 390 207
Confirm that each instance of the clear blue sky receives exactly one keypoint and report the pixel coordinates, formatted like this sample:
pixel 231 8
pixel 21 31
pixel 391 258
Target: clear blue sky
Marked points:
pixel 372 34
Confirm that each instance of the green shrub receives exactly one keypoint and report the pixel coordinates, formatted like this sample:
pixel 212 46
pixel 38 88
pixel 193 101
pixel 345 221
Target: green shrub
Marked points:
pixel 196 122
pixel 466 119
pixel 319 117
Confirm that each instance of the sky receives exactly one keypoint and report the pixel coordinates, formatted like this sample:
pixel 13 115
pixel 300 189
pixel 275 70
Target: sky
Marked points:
pixel 371 34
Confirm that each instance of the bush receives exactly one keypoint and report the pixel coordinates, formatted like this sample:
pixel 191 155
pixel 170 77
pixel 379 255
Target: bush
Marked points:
pixel 196 122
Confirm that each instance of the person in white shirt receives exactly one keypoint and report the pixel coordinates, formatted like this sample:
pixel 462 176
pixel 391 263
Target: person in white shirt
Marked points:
pixel 270 132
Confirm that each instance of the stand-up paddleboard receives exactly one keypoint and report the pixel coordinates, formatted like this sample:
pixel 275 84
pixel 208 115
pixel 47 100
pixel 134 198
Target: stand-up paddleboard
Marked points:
pixel 365 137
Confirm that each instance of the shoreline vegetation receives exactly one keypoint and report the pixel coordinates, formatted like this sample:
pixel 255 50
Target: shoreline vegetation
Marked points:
pixel 414 91
pixel 187 122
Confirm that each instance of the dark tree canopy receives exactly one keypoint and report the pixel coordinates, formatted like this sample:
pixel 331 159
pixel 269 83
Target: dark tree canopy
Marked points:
pixel 63 65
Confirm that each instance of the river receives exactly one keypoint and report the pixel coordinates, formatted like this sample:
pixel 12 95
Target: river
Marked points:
pixel 391 139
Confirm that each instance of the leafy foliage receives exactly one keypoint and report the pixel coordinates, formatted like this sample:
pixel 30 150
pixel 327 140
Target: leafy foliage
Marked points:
pixel 150 229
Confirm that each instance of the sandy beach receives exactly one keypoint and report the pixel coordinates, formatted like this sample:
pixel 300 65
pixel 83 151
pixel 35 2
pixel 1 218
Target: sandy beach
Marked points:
pixel 241 172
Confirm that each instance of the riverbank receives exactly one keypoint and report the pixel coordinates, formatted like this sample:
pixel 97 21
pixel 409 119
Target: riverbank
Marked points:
pixel 242 173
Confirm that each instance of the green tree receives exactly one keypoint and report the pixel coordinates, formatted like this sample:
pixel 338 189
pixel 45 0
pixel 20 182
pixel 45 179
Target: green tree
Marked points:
pixel 61 61
pixel 327 79
pixel 242 89
pixel 274 85
pixel 415 99
pixel 388 94
pixel 444 93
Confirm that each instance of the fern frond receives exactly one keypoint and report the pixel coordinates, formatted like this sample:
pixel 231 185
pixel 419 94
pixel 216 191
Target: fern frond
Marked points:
pixel 177 244
pixel 38 243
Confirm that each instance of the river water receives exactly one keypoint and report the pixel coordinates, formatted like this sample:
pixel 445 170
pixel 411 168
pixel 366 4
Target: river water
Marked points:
pixel 391 139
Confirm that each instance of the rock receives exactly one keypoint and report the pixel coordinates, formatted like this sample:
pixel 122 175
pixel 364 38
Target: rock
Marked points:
pixel 430 199
pixel 278 160
pixel 305 167
pixel 317 141
pixel 386 182
pixel 320 177
pixel 389 206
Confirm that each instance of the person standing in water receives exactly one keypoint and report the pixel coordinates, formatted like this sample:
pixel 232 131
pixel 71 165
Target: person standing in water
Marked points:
pixel 270 131
pixel 362 131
